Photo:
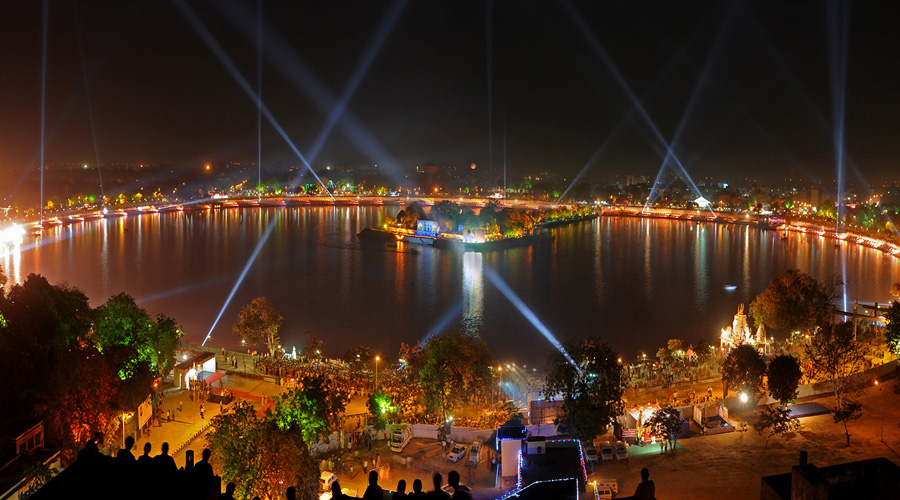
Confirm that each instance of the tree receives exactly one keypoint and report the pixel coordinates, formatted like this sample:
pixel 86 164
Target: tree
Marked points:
pixel 895 289
pixel 314 407
pixel 834 355
pixel 795 301
pixel 892 329
pixel 258 323
pixel 379 405
pixel 261 457
pixel 845 412
pixel 590 386
pixel 784 378
pixel 359 357
pixel 667 422
pixel 777 421
pixel 456 369
pixel 744 369
pixel 139 342
pixel 313 347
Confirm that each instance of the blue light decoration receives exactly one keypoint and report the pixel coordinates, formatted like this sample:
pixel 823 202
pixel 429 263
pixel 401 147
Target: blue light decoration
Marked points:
pixel 515 493
pixel 518 489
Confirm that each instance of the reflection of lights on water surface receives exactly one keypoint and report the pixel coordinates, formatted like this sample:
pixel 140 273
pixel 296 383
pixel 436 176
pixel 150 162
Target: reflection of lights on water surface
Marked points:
pixel 11 238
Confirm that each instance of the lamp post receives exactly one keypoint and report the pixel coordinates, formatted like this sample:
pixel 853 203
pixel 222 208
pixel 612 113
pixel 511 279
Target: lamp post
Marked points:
pixel 377 358
pixel 880 393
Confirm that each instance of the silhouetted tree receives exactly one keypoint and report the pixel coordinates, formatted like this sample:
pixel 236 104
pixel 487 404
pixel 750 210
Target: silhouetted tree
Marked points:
pixel 795 301
pixel 744 369
pixel 667 422
pixel 892 329
pixel 258 323
pixel 590 388
pixel 776 420
pixel 783 375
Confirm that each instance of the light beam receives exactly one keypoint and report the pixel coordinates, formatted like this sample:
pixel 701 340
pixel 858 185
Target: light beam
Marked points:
pixel 243 274
pixel 223 58
pixel 507 292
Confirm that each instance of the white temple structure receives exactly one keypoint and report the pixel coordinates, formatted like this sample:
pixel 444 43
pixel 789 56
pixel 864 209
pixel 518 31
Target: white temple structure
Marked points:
pixel 739 332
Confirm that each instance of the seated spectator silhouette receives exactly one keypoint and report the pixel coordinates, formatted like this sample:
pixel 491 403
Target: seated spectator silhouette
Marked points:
pixel 91 449
pixel 229 492
pixel 646 489
pixel 460 492
pixel 373 492
pixel 336 493
pixel 291 493
pixel 417 493
pixel 400 494
pixel 203 469
pixel 145 460
pixel 163 463
pixel 124 456
pixel 437 493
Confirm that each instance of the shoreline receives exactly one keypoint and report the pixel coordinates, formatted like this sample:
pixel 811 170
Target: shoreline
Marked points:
pixel 795 226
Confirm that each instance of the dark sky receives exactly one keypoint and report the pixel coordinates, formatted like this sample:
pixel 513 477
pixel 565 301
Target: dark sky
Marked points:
pixel 159 95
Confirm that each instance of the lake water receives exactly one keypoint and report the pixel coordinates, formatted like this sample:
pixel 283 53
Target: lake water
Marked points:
pixel 634 282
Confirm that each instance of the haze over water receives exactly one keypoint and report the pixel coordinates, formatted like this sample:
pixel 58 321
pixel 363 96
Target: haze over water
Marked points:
pixel 635 282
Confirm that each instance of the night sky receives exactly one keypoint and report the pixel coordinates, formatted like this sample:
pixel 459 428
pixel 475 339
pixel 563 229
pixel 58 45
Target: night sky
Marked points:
pixel 159 95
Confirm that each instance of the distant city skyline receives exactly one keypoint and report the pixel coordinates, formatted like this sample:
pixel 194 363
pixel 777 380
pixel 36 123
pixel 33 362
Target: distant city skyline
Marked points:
pixel 764 101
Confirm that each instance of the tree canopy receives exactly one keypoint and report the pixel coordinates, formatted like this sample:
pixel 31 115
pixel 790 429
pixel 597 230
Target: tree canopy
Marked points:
pixel 795 301
pixel 784 378
pixel 258 323
pixel 313 408
pixel 456 368
pixel 260 456
pixel 591 392
pixel 892 329
pixel 75 367
pixel 139 343
pixel 744 370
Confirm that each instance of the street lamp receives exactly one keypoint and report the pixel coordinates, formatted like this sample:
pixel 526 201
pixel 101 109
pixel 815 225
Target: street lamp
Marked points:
pixel 377 358
pixel 882 409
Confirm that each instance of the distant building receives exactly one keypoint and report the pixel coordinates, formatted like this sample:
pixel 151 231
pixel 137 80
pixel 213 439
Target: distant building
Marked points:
pixel 876 478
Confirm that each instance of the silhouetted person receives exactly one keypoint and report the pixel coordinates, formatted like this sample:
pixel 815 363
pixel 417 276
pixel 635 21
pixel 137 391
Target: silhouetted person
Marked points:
pixel 646 490
pixel 124 456
pixel 417 493
pixel 229 492
pixel 291 493
pixel 373 492
pixel 203 469
pixel 400 494
pixel 145 460
pixel 460 492
pixel 164 463
pixel 437 493
pixel 91 449
pixel 336 493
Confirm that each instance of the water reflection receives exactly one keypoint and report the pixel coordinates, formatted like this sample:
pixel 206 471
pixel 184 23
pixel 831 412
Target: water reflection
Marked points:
pixel 473 292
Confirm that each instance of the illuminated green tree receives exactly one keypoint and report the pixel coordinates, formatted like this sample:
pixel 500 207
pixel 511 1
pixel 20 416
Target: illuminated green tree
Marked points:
pixel 313 408
pixel 258 323
pixel 261 457
pixel 126 331
pixel 379 405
